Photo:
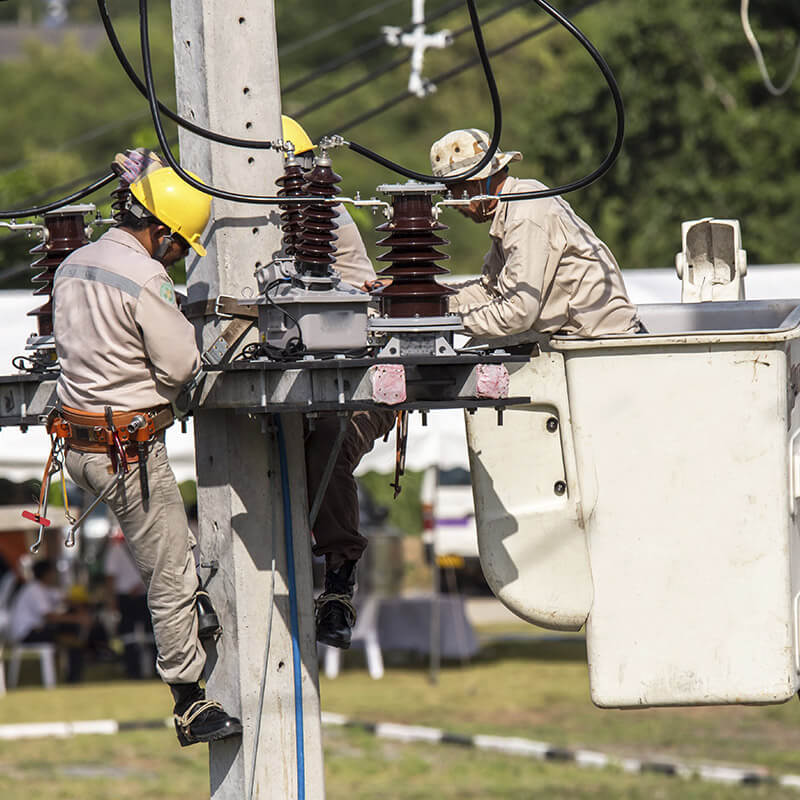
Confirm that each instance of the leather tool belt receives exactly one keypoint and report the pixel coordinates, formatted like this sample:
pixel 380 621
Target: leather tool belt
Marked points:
pixel 89 432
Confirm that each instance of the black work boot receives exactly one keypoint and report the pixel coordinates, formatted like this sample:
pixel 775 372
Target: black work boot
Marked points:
pixel 336 614
pixel 207 621
pixel 198 719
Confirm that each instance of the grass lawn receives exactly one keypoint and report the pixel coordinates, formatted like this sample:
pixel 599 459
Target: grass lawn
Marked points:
pixel 537 690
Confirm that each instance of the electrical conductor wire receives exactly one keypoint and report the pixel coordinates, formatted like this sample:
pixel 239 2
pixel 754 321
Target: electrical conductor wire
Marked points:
pixel 144 38
pixel 293 611
pixel 398 62
pixel 496 110
pixel 775 91
pixel 64 201
pixel 152 99
pixel 447 75
pixel 105 18
pixel 605 165
pixel 342 25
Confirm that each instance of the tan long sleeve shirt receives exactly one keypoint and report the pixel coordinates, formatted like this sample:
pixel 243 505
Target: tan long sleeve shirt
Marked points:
pixel 547 271
pixel 352 260
pixel 120 338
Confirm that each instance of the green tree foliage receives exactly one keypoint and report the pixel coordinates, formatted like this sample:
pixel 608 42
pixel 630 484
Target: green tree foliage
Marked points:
pixel 704 137
pixel 66 111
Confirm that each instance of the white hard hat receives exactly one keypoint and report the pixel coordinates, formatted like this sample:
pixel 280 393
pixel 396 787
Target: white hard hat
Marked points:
pixel 459 150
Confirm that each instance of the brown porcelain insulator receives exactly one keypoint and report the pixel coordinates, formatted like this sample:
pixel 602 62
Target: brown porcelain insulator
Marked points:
pixel 66 230
pixel 412 259
pixel 119 201
pixel 291 184
pixel 316 251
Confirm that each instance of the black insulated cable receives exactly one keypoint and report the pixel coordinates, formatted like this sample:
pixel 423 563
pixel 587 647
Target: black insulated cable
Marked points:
pixel 443 77
pixel 398 62
pixel 152 99
pixel 619 108
pixel 64 201
pixel 496 110
pixel 255 144
pixel 377 158
pixel 605 165
pixel 362 50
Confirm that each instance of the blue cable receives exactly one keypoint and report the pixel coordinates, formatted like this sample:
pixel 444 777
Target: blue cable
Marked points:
pixel 298 686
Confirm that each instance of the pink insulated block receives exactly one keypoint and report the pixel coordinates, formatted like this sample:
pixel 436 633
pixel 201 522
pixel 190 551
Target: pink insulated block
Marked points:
pixel 492 381
pixel 389 383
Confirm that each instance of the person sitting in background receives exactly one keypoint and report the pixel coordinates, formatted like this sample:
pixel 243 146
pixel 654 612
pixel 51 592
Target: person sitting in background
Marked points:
pixel 37 617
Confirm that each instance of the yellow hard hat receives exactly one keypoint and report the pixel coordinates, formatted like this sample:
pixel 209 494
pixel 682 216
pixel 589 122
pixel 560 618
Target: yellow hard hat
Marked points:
pixel 293 132
pixel 182 208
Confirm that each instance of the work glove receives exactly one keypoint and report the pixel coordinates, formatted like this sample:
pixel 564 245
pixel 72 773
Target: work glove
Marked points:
pixel 131 165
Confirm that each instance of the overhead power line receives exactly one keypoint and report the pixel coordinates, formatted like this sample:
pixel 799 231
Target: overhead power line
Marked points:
pixel 362 50
pixel 326 69
pixel 13 272
pixel 86 136
pixel 457 70
pixel 337 27
pixel 398 62
pixel 397 99
pixel 83 179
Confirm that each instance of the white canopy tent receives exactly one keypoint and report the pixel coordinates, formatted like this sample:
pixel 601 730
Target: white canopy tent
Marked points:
pixel 442 442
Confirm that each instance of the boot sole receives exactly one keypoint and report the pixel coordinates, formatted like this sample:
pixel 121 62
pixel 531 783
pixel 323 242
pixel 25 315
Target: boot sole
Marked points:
pixel 225 733
pixel 331 641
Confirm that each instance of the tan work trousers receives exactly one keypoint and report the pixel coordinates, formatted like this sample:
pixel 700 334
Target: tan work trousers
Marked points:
pixel 336 534
pixel 161 544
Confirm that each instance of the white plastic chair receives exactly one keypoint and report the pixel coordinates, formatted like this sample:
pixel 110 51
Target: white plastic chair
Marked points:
pixel 139 636
pixel 365 630
pixel 7 583
pixel 47 662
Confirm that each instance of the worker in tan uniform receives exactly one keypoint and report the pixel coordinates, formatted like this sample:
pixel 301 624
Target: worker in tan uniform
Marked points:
pixel 336 534
pixel 125 351
pixel 546 270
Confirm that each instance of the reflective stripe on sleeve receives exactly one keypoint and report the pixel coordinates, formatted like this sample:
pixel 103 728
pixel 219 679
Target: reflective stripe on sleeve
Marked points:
pixel 99 275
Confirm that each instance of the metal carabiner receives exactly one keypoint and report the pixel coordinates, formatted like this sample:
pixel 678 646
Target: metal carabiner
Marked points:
pixel 118 476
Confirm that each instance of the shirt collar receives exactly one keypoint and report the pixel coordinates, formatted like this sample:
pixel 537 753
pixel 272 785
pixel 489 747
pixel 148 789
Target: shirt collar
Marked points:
pixel 498 222
pixel 119 236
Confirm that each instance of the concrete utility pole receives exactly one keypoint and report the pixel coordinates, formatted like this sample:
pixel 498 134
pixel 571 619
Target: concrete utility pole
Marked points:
pixel 226 66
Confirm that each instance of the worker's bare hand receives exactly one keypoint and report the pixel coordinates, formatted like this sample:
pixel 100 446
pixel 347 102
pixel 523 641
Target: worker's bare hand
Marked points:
pixel 371 286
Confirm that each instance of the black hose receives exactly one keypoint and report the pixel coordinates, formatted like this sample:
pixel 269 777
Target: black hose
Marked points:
pixel 255 144
pixel 65 201
pixel 605 165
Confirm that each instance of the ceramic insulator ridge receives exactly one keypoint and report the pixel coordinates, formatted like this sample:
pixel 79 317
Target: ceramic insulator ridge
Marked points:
pixel 316 251
pixel 119 200
pixel 291 185
pixel 412 260
pixel 66 233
